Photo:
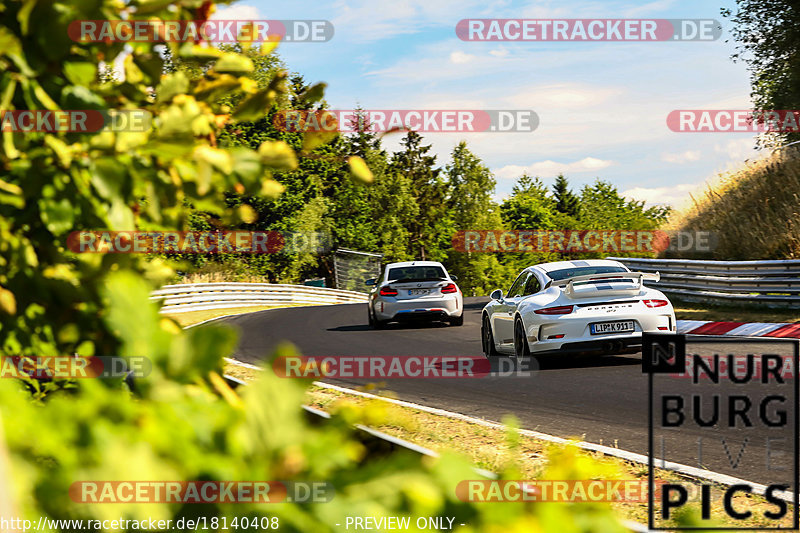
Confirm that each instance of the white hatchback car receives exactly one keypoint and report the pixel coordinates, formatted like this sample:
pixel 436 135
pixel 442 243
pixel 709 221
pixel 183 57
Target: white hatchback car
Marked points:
pixel 415 290
pixel 595 305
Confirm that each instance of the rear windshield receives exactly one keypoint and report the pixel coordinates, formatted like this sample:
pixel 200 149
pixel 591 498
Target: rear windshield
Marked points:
pixel 565 273
pixel 416 273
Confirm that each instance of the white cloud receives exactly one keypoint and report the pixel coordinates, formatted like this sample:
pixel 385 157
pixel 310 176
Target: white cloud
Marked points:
pixel 368 20
pixel 569 96
pixel 675 195
pixel 552 168
pixel 737 150
pixel 682 157
pixel 461 57
pixel 500 52
pixel 236 12
pixel 648 8
pixel 544 10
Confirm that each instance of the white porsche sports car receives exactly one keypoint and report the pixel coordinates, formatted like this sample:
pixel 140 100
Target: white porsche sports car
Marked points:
pixel 415 290
pixel 587 306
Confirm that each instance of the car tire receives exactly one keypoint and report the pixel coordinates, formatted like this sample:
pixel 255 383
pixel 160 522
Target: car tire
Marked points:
pixel 487 339
pixel 375 323
pixel 457 321
pixel 521 348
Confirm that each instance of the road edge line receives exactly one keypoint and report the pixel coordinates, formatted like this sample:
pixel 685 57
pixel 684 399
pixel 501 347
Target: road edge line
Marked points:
pixel 686 470
pixel 632 525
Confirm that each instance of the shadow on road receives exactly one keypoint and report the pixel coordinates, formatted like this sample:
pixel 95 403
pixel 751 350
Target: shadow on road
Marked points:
pixel 544 364
pixel 586 361
pixel 393 326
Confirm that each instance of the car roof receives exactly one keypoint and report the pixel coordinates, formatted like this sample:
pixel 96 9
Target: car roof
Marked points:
pixel 559 265
pixel 414 263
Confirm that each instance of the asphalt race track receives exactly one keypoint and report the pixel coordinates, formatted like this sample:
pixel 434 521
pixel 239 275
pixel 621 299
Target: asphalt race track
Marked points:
pixel 600 399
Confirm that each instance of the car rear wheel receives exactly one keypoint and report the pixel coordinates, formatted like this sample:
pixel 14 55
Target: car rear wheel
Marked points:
pixel 457 321
pixel 375 323
pixel 521 348
pixel 487 338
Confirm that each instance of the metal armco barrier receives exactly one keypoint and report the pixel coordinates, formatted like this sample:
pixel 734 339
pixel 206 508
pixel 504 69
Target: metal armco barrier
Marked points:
pixel 755 283
pixel 204 296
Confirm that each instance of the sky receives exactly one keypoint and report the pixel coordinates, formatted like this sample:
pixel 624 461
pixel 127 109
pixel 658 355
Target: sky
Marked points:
pixel 602 106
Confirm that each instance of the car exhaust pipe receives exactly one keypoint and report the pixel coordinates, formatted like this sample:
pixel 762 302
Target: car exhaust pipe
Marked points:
pixel 619 346
pixel 608 346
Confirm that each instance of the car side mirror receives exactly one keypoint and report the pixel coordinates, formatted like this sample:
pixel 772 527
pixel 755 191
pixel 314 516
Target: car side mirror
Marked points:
pixel 497 294
pixel 370 281
pixel 454 278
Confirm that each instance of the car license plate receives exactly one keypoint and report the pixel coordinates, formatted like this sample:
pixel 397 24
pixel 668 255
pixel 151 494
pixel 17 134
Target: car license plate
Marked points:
pixel 601 328
pixel 418 292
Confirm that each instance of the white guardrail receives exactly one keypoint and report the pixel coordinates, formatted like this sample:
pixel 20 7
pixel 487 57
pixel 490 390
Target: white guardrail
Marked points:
pixel 761 283
pixel 204 296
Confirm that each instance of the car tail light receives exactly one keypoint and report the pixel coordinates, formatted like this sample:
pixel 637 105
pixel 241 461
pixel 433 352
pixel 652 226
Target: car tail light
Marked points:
pixel 560 310
pixel 655 303
pixel 450 288
pixel 559 336
pixel 663 328
pixel 388 291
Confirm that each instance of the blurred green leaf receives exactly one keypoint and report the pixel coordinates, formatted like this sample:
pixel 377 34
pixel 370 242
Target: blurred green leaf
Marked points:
pixel 231 63
pixel 277 155
pixel 80 72
pixel 58 215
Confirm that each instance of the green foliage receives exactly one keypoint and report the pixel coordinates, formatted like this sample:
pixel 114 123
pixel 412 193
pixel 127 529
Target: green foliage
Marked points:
pixel 602 207
pixel 58 182
pixel 471 186
pixel 182 422
pixel 566 202
pixel 768 37
pixel 529 206
pixel 430 228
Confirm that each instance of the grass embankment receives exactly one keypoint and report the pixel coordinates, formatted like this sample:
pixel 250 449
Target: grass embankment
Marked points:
pixel 754 210
pixel 489 448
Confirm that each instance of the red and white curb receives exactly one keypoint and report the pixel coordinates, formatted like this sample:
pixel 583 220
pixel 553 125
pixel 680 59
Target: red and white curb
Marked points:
pixel 739 329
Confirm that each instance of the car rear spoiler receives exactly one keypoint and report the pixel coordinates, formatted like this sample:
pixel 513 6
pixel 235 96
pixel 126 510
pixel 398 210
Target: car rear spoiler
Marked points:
pixel 569 283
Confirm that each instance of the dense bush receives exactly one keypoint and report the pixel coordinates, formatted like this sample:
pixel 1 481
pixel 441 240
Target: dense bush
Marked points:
pixel 183 422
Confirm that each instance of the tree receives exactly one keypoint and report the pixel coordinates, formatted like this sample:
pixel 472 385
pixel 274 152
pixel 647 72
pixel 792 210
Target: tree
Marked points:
pixel 566 202
pixel 768 37
pixel 429 228
pixel 390 203
pixel 470 203
pixel 529 207
pixel 602 208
